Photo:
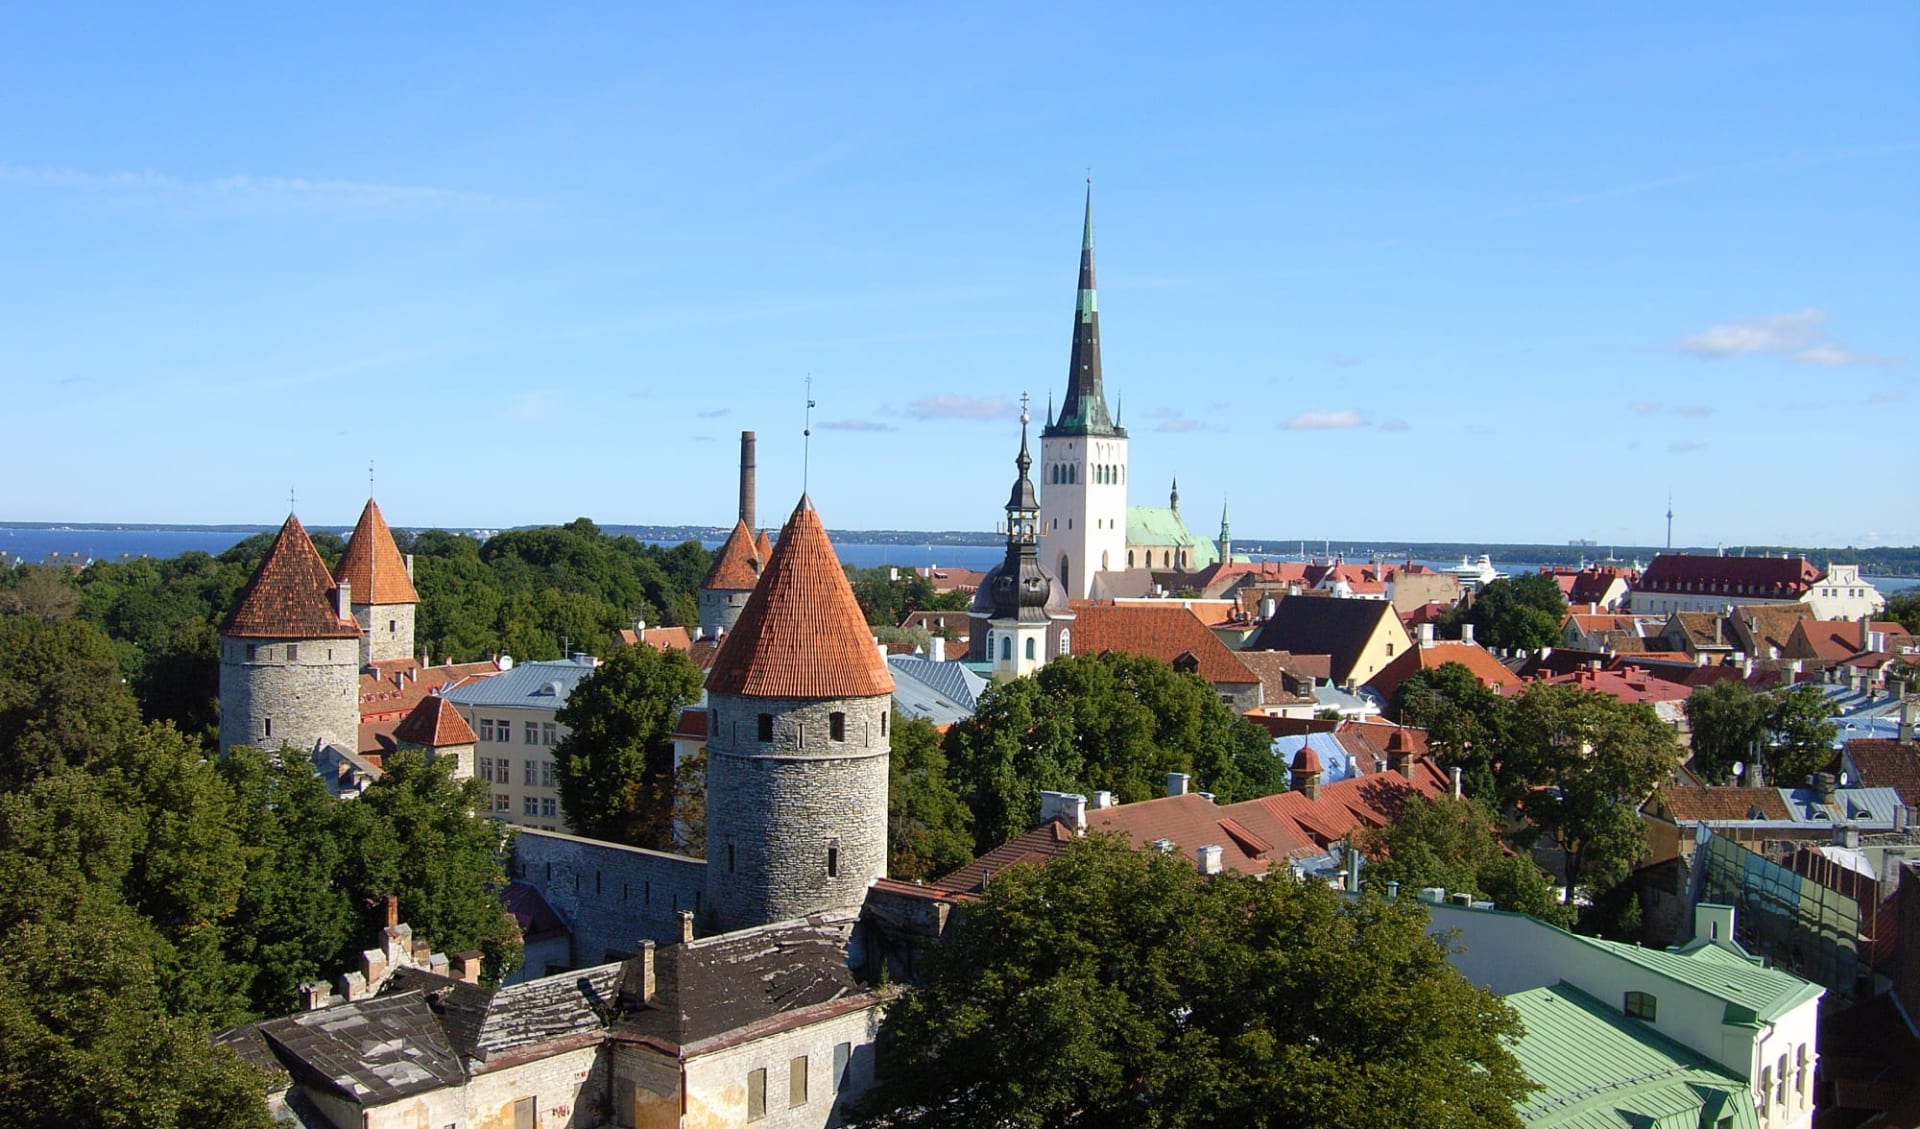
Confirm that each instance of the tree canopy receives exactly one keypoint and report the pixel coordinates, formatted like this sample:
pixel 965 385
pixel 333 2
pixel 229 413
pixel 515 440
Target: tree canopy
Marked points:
pixel 1728 723
pixel 615 766
pixel 1455 845
pixel 926 822
pixel 889 593
pixel 1116 987
pixel 1111 722
pixel 1517 611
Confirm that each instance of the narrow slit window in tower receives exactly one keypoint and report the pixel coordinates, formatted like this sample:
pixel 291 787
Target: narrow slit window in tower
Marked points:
pixel 766 727
pixel 833 862
pixel 837 725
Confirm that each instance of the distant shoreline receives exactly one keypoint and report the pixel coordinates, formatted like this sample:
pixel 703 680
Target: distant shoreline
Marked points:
pixel 1289 548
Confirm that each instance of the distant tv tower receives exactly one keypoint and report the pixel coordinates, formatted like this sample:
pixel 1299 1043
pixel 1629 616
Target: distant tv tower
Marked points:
pixel 1669 521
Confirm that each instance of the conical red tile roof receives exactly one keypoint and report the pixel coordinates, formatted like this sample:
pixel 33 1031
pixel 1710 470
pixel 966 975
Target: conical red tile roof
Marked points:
pixel 802 634
pixel 372 564
pixel 290 595
pixel 737 566
pixel 763 545
pixel 435 724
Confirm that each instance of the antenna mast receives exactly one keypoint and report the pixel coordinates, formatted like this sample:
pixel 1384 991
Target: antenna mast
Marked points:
pixel 806 439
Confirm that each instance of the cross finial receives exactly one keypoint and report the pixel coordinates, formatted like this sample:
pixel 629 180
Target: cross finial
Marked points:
pixel 290 505
pixel 1023 410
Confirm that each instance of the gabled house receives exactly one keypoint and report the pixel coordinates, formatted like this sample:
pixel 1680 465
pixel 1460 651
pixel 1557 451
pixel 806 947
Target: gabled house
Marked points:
pixel 1172 634
pixel 1361 636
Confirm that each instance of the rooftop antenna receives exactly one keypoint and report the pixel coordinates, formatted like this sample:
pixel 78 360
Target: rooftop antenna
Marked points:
pixel 290 506
pixel 1669 521
pixel 369 478
pixel 806 438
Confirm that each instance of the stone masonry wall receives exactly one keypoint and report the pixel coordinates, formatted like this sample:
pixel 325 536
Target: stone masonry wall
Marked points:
pixel 798 824
pixel 719 609
pixel 314 695
pixel 386 631
pixel 611 896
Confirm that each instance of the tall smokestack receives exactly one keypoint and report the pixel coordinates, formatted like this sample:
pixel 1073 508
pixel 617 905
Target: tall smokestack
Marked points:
pixel 746 479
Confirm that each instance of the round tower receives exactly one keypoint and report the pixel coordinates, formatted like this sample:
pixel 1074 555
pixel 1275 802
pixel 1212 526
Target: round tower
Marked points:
pixel 798 708
pixel 381 581
pixel 729 581
pixel 290 654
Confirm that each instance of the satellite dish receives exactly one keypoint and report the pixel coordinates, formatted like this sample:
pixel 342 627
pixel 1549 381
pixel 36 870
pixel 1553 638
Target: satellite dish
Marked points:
pixel 1739 770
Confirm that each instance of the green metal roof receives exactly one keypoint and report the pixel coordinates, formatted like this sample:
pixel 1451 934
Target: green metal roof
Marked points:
pixel 1162 527
pixel 1601 1070
pixel 1753 992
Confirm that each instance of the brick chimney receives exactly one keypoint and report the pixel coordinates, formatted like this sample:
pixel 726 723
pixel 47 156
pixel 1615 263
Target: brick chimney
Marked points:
pixel 686 926
pixel 648 984
pixel 466 966
pixel 746 479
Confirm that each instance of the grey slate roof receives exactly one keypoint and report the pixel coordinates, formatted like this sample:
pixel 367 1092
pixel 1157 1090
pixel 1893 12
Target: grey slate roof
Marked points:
pixel 373 1051
pixel 722 983
pixel 943 693
pixel 531 685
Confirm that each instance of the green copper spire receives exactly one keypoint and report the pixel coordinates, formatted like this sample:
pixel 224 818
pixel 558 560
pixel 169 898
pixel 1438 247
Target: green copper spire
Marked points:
pixel 1085 409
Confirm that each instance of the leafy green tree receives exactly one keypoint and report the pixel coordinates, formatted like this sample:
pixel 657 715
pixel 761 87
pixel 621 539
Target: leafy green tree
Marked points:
pixel 86 1038
pixel 1518 611
pixel 1116 723
pixel 1588 762
pixel 430 847
pixel 1800 725
pixel 1464 720
pixel 1904 607
pixel 43 592
pixel 1115 987
pixel 926 822
pixel 61 697
pixel 888 599
pixel 1455 845
pixel 1729 722
pixel 615 767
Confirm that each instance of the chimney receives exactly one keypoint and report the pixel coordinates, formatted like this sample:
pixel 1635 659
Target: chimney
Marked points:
pixel 937 649
pixel 1426 636
pixel 393 911
pixel 1101 800
pixel 315 995
pixel 1177 783
pixel 648 985
pixel 1208 858
pixel 1456 782
pixel 1305 775
pixel 746 479
pixel 343 600
pixel 409 567
pixel 1823 787
pixel 1466 633
pixel 1353 871
pixel 466 966
pixel 1068 806
pixel 686 926
pixel 1846 835
pixel 1909 713
pixel 1268 606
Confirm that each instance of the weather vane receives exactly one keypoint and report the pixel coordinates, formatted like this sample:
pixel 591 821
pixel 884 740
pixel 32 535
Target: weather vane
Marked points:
pixel 806 439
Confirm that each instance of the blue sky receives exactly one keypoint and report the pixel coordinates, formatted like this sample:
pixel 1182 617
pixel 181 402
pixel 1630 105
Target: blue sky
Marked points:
pixel 1425 272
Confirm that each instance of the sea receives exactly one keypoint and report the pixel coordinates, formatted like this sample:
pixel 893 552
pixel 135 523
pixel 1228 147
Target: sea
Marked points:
pixel 34 545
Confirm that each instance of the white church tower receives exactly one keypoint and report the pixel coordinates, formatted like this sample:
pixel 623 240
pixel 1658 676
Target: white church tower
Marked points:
pixel 1083 483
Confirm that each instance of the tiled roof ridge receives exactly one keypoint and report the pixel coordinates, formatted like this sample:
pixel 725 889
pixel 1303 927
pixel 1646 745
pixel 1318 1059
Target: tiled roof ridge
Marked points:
pixel 290 594
pixel 373 565
pixel 801 634
pixel 738 564
pixel 435 724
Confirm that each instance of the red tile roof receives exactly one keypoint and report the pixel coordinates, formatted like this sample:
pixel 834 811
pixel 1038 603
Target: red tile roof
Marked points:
pixel 1718 804
pixel 659 638
pixel 1629 684
pixel 1479 661
pixel 290 595
pixel 737 566
pixel 1306 760
pixel 692 725
pixel 802 634
pixel 435 724
pixel 1774 578
pixel 1886 763
pixel 762 545
pixel 389 689
pixel 1160 631
pixel 372 564
pixel 1370 742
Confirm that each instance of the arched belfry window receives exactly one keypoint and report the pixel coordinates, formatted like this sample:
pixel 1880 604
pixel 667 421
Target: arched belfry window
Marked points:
pixel 1006 648
pixel 1066 641
pixel 1030 652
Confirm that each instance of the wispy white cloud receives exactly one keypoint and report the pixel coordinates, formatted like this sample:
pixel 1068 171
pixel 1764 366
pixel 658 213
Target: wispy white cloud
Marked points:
pixel 1326 420
pixel 240 189
pixel 1174 421
pixel 857 425
pixel 947 406
pixel 1694 411
pixel 1801 336
pixel 1644 408
pixel 1396 425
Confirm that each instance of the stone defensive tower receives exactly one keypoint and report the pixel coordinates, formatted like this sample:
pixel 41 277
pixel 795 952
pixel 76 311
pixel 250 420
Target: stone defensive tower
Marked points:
pixel 798 708
pixel 381 581
pixel 290 654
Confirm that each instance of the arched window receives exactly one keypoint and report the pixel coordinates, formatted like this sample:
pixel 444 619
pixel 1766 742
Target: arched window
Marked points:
pixel 1006 648
pixel 1129 558
pixel 1066 641
pixel 1030 654
pixel 1062 570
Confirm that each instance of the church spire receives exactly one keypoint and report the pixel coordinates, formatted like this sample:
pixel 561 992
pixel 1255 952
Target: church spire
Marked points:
pixel 1085 410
